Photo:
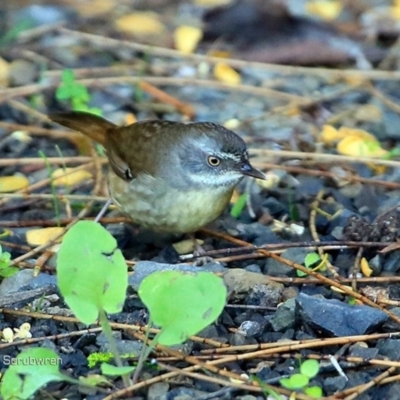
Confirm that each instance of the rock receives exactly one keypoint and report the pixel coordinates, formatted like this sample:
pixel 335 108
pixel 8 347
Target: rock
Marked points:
pixel 145 268
pixel 264 295
pixel 158 391
pixel 284 317
pixel 389 348
pixel 336 318
pixel 334 384
pixel 240 281
pixel 366 353
pixel 249 328
pixel 276 268
pixel 14 283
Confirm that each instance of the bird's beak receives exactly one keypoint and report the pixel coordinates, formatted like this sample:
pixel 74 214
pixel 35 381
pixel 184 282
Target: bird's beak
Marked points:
pixel 248 170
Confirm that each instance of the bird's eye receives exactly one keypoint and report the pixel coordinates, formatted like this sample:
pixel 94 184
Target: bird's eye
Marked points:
pixel 213 161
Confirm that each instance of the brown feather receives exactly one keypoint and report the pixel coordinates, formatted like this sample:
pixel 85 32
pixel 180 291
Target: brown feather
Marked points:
pixel 89 124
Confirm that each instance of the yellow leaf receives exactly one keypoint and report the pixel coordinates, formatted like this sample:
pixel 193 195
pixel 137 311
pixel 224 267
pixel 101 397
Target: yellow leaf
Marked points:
pixel 394 12
pixel 130 119
pixel 368 112
pixel 292 111
pixel 365 268
pixel 72 179
pixel 329 134
pixel 37 237
pixel 224 73
pixel 235 196
pixel 271 181
pixel 219 53
pixel 212 3
pixel 93 8
pixel 186 38
pixel 360 133
pixel 325 9
pixel 140 23
pixel 13 183
pixel 186 246
pixel 4 68
pixel 354 80
pixel 356 146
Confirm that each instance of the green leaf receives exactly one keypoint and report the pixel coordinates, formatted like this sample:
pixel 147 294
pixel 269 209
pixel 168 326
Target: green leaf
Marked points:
pixel 6 272
pixel 91 271
pixel 313 391
pixel 95 380
pixel 309 368
pixel 311 259
pixel 32 369
pixel 238 207
pixel 300 273
pixel 296 381
pixel 95 358
pixel 63 93
pixel 182 304
pixel 67 77
pixel 112 370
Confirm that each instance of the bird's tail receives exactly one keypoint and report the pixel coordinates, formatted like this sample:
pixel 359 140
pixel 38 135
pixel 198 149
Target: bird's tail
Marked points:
pixel 89 124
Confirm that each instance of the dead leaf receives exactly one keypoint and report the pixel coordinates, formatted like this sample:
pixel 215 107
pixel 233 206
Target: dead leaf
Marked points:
pixel 365 268
pixel 72 179
pixel 359 147
pixel 212 3
pixel 224 73
pixel 330 134
pixel 4 69
pixel 13 183
pixel 186 246
pixel 186 38
pixel 325 9
pixel 37 237
pixel 140 23
pixel 91 8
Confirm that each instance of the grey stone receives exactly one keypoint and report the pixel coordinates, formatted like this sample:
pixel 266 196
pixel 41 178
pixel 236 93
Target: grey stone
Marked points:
pixel 250 328
pixel 389 348
pixel 158 391
pixel 336 318
pixel 334 384
pixel 15 282
pixel 284 317
pixel 145 268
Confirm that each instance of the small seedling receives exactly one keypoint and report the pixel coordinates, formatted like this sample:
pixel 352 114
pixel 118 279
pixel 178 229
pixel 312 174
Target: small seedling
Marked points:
pixel 181 304
pixel 5 269
pixel 308 370
pixel 52 186
pixel 309 262
pixel 239 205
pixel 75 92
pixel 92 277
pixel 32 369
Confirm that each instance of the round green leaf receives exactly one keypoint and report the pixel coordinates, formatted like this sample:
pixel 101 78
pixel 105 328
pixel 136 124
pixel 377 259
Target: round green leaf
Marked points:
pixel 32 369
pixel 182 304
pixel 309 368
pixel 296 381
pixel 311 258
pixel 91 271
pixel 313 391
pixel 112 370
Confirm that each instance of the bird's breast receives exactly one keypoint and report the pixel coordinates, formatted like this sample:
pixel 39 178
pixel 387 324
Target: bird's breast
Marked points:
pixel 155 205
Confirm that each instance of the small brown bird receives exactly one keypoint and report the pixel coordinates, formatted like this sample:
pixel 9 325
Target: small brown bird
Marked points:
pixel 168 176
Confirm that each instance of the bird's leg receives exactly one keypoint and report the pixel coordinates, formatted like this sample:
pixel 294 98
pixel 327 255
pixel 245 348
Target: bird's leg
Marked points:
pixel 199 253
pixel 103 210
